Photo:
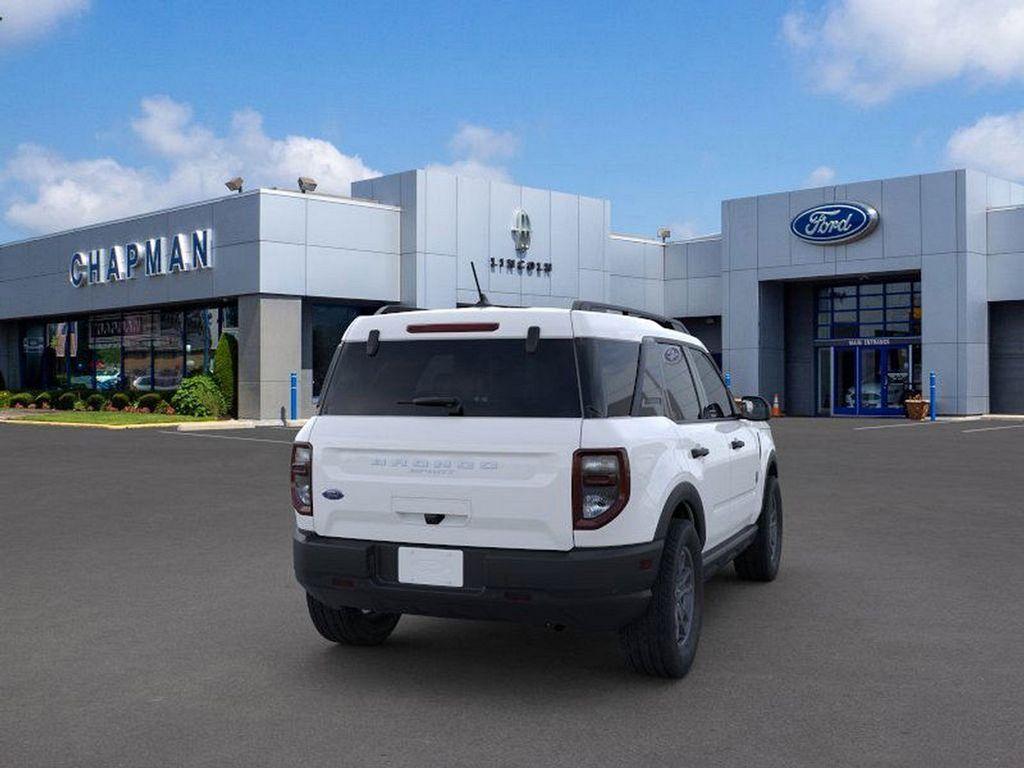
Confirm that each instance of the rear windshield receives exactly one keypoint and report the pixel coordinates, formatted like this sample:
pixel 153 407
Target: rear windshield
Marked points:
pixel 487 377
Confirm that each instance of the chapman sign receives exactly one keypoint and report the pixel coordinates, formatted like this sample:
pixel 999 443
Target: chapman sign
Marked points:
pixel 834 223
pixel 156 256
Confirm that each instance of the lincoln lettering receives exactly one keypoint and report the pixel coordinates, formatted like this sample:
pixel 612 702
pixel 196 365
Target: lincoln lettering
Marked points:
pixel 182 252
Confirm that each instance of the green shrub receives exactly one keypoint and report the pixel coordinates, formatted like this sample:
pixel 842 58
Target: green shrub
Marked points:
pixel 66 402
pixel 120 401
pixel 80 405
pixel 5 398
pixel 164 407
pixel 150 400
pixel 24 399
pixel 225 371
pixel 43 399
pixel 96 402
pixel 199 396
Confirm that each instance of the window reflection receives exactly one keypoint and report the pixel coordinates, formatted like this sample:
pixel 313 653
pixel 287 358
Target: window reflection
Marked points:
pixel 141 350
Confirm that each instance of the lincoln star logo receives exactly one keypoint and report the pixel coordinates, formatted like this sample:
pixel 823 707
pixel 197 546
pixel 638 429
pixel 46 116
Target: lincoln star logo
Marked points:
pixel 521 231
pixel 835 223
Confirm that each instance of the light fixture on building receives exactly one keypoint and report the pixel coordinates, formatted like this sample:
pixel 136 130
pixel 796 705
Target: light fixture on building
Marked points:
pixel 306 184
pixel 235 184
pixel 664 233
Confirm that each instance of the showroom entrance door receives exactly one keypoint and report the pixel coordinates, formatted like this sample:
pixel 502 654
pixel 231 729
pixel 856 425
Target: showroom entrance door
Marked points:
pixel 870 379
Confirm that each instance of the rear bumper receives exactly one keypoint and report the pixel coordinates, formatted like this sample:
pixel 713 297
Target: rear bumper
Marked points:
pixel 600 588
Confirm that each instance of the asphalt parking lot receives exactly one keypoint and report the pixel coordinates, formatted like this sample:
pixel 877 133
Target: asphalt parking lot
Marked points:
pixel 149 616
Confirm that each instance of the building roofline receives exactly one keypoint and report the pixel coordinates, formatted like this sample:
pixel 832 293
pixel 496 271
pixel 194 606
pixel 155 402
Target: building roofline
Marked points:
pixel 864 181
pixel 209 201
pixel 635 238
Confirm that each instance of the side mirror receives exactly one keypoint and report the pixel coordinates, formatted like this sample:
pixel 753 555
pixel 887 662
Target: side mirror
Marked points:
pixel 754 408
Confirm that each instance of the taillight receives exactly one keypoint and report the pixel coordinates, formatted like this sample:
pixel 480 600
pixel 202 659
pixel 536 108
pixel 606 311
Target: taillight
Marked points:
pixel 302 478
pixel 600 486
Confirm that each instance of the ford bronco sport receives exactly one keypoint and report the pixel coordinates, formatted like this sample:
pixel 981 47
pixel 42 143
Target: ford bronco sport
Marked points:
pixel 583 467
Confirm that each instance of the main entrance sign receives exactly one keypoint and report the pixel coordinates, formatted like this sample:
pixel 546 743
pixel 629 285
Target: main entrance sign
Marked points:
pixel 834 223
pixel 156 256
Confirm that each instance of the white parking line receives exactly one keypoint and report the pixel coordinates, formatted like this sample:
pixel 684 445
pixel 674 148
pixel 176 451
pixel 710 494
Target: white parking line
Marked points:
pixel 992 429
pixel 225 437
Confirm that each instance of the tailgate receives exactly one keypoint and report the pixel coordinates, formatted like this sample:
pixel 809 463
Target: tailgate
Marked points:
pixel 475 482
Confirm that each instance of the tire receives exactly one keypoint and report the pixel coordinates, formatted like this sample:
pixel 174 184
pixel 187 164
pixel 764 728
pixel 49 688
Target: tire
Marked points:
pixel 760 560
pixel 351 626
pixel 663 642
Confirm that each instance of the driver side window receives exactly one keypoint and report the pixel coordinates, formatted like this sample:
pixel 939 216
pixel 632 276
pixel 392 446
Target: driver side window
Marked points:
pixel 717 403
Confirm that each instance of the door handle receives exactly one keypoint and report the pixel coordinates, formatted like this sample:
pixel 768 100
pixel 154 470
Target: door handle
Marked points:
pixel 737 444
pixel 699 452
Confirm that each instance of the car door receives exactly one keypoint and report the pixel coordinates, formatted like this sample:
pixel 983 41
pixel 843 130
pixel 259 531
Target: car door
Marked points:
pixel 704 451
pixel 738 439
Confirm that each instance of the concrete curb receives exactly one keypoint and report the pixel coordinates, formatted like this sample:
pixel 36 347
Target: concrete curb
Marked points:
pixel 201 426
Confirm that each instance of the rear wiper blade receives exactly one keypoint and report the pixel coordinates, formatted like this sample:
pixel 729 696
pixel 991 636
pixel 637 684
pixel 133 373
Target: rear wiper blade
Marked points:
pixel 453 404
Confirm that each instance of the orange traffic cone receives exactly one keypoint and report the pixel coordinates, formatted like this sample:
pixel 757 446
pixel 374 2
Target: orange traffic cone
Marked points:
pixel 776 410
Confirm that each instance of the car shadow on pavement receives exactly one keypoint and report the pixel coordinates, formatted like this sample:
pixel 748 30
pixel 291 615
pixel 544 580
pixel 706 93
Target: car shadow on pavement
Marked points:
pixel 494 659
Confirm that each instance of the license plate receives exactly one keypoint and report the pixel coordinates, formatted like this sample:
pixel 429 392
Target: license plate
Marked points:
pixel 437 567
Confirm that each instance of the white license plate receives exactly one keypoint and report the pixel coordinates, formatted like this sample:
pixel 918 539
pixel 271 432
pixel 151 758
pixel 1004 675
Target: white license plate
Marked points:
pixel 438 567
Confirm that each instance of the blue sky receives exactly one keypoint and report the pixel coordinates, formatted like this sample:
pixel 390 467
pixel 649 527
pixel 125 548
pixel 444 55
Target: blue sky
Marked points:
pixel 109 108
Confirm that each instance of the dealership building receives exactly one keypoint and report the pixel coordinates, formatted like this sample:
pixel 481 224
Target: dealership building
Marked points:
pixel 839 299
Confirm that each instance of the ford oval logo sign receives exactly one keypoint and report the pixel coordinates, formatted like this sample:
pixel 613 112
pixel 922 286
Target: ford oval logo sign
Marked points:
pixel 834 223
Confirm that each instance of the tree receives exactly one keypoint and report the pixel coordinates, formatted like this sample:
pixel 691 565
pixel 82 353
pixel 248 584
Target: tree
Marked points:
pixel 225 371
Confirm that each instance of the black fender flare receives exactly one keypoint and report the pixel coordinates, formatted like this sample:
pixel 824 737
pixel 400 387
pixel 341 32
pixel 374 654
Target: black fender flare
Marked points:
pixel 683 494
pixel 772 465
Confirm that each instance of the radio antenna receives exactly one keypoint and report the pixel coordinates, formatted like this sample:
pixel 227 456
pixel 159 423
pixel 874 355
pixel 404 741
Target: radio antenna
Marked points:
pixel 483 302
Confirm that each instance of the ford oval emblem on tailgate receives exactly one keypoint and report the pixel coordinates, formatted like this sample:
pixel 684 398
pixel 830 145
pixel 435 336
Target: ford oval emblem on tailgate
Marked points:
pixel 333 494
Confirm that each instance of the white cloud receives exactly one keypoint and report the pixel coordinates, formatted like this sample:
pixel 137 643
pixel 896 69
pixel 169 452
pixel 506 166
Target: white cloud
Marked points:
pixel 481 143
pixel 48 192
pixel 25 20
pixel 820 176
pixel 994 143
pixel 685 230
pixel 868 50
pixel 479 151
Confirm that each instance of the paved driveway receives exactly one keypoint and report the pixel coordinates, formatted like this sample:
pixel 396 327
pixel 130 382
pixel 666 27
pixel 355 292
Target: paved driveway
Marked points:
pixel 149 617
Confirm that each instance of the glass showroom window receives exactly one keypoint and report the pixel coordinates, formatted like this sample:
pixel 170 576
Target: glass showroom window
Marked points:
pixel 137 350
pixel 55 364
pixel 200 340
pixel 168 355
pixel 79 354
pixel 105 343
pixel 869 310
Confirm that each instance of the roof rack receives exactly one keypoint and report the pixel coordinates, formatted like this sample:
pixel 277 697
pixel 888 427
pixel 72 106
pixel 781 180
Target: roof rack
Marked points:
pixel 615 309
pixel 391 309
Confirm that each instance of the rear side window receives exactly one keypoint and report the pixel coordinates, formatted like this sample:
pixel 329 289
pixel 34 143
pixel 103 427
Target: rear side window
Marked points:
pixel 488 377
pixel 683 404
pixel 717 402
pixel 607 376
pixel 650 399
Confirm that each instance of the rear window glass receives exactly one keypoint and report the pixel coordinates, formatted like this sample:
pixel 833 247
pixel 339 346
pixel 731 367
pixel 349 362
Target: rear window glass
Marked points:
pixel 488 377
pixel 607 376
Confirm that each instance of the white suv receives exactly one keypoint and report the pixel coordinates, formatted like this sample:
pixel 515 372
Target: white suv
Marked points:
pixel 583 467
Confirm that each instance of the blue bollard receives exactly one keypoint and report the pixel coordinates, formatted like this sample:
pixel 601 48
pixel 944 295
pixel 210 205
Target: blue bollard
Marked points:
pixel 931 395
pixel 728 380
pixel 295 395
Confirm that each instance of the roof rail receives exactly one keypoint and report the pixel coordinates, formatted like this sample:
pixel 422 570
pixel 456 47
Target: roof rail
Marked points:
pixel 391 309
pixel 596 306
